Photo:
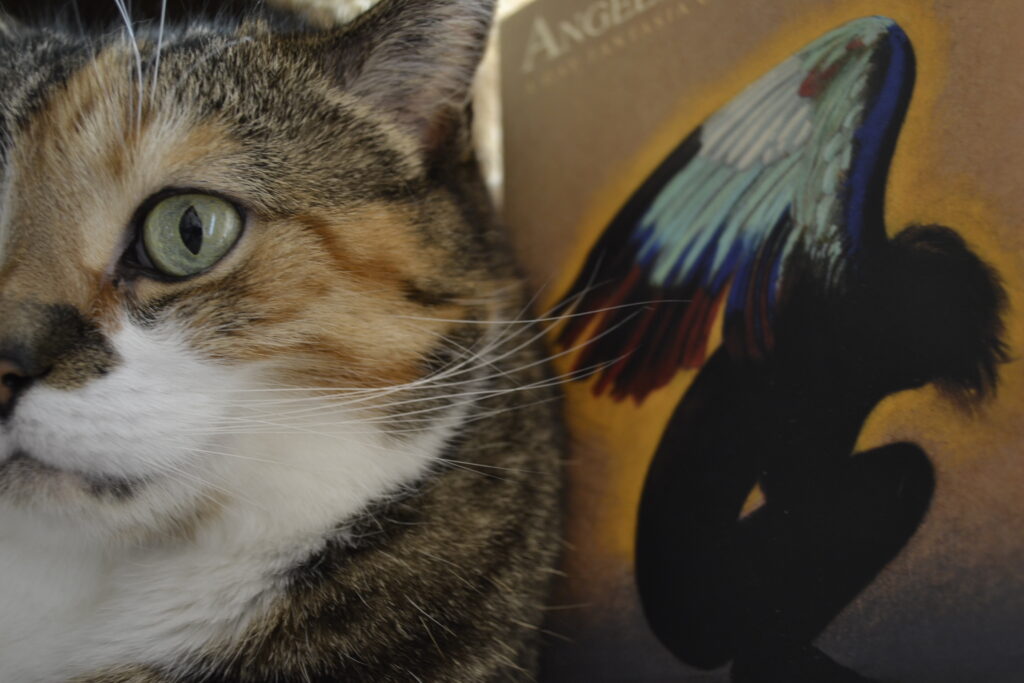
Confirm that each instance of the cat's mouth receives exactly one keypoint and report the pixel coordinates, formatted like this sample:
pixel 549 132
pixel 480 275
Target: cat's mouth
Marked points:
pixel 20 469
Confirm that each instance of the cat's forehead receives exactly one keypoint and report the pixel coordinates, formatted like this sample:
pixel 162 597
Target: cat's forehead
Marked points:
pixel 87 140
pixel 262 88
pixel 78 155
pixel 30 67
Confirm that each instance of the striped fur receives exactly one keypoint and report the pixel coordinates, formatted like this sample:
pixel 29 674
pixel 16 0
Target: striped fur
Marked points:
pixel 332 456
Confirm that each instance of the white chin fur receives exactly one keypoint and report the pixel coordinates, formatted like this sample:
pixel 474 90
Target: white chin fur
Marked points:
pixel 143 419
pixel 274 484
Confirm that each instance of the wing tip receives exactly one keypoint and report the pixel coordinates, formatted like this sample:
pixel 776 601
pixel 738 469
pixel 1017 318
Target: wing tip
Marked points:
pixel 872 31
pixel 876 23
pixel 881 27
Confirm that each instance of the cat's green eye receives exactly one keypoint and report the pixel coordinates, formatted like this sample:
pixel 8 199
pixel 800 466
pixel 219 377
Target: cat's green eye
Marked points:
pixel 187 233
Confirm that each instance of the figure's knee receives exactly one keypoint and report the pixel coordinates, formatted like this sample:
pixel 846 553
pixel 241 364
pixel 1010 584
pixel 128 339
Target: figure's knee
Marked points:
pixel 905 466
pixel 901 480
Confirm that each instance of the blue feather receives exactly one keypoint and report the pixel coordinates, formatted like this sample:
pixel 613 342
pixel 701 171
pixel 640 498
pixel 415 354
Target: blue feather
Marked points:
pixel 876 139
pixel 796 163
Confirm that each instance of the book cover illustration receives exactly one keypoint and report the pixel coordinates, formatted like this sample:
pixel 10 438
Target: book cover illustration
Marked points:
pixel 790 327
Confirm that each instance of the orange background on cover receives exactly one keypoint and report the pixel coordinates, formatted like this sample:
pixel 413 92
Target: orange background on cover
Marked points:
pixel 959 162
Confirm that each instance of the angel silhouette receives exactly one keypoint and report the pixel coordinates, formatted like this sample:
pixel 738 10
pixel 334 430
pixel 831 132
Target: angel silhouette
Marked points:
pixel 773 208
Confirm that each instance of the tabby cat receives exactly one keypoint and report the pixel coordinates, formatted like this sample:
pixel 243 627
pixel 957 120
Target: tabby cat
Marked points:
pixel 265 412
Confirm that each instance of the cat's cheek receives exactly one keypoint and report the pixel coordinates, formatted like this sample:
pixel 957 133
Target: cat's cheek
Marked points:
pixel 149 416
pixel 6 445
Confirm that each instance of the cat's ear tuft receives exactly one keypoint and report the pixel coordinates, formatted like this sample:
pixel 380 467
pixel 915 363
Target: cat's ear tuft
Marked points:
pixel 415 60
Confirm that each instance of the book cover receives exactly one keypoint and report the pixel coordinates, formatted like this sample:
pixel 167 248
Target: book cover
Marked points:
pixel 783 242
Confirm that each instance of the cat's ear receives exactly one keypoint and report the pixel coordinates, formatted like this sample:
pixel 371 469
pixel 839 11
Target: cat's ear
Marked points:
pixel 415 60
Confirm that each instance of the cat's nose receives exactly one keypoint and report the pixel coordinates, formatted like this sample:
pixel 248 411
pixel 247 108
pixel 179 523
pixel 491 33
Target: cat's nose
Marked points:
pixel 14 379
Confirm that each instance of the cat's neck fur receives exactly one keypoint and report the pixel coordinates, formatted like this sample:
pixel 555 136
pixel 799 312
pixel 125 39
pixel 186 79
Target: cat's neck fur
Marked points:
pixel 102 603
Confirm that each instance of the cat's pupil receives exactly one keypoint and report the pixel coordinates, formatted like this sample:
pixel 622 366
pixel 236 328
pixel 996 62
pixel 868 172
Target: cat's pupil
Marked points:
pixel 191 229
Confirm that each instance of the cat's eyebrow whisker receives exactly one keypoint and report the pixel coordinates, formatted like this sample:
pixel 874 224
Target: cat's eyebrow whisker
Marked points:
pixel 159 49
pixel 130 28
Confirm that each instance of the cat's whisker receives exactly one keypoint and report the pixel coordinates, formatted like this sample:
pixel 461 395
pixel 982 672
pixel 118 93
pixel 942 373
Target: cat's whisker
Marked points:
pixel 447 371
pixel 369 391
pixel 548 359
pixel 201 484
pixel 130 28
pixel 459 464
pixel 328 405
pixel 465 363
pixel 477 394
pixel 363 456
pixel 159 50
pixel 553 319
pixel 424 414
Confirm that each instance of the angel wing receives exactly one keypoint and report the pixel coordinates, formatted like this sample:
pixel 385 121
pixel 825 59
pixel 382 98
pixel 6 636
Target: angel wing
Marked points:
pixel 795 164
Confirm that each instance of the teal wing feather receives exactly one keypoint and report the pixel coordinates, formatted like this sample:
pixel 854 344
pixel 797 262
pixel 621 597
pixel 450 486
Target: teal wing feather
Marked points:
pixel 795 164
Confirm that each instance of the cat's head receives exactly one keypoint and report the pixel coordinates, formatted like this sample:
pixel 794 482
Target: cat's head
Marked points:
pixel 231 246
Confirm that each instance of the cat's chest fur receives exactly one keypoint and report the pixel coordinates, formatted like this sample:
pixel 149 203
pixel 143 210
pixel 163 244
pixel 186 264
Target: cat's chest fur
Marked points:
pixel 73 605
pixel 47 590
pixel 70 608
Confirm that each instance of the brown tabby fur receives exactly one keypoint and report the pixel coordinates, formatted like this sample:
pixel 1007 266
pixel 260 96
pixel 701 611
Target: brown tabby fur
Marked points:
pixel 366 217
pixel 444 585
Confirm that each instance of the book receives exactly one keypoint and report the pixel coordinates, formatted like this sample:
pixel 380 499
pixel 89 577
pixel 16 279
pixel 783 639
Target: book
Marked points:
pixel 785 239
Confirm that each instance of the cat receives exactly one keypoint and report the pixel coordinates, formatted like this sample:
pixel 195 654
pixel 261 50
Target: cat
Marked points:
pixel 269 410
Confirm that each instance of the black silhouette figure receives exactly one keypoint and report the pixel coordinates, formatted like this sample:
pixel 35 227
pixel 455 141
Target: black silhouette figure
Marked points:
pixel 774 207
pixel 759 590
